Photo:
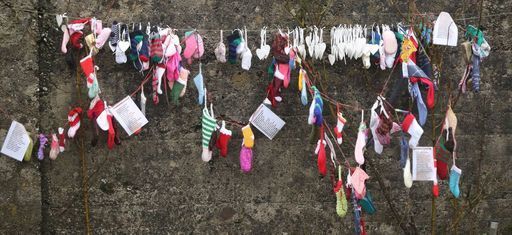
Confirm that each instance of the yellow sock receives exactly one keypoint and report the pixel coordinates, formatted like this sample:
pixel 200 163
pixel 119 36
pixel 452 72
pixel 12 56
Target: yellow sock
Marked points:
pixel 248 136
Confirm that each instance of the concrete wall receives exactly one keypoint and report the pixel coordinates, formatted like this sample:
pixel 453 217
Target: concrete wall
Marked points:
pixel 156 183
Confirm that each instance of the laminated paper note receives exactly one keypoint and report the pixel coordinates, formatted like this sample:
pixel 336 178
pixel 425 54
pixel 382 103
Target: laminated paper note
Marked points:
pixel 129 115
pixel 16 142
pixel 423 164
pixel 266 121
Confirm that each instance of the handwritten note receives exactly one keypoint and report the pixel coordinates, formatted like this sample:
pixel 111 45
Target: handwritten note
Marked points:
pixel 266 121
pixel 129 115
pixel 16 142
pixel 423 164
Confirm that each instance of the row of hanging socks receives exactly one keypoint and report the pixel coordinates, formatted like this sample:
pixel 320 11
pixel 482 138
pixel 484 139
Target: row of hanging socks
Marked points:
pixel 315 45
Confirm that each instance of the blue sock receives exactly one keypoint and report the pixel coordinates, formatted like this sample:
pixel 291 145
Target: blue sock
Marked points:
pixel 422 108
pixel 198 81
pixel 304 94
pixel 404 148
pixel 455 173
pixel 475 75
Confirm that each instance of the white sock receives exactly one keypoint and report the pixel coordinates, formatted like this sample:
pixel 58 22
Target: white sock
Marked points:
pixel 411 126
pixel 407 173
pixel 374 123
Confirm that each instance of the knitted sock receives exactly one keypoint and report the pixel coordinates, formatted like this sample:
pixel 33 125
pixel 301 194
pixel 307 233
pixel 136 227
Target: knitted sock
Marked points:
pixel 173 68
pixel 422 108
pixel 103 37
pixel 184 73
pixel 154 84
pixel 362 137
pixel 246 159
pixel 442 167
pixel 311 116
pixel 157 52
pixel 175 91
pixel 248 136
pixel 319 104
pixel 160 70
pixel 54 151
pixel 233 42
pixel 114 35
pixel 144 49
pixel 338 129
pixel 111 132
pixel 87 65
pixel 374 123
pixel 28 152
pixel 120 56
pixel 223 140
pixel 320 151
pixel 455 173
pixel 76 39
pixel 62 140
pixel 208 126
pixel 65 39
pixel 407 173
pixel 404 150
pixel 135 40
pixel 341 200
pixel 304 93
pixel 74 121
pixel 475 75
pixel 199 82
pixel 411 126
pixel 42 143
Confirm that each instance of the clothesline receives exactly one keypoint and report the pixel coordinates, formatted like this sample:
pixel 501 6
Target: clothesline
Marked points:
pixel 257 30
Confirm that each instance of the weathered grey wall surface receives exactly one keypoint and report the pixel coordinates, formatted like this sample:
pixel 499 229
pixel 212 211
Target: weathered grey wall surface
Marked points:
pixel 156 182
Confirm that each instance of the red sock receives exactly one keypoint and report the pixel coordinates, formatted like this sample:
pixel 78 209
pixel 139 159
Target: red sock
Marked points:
pixel 62 140
pixel 320 150
pixel 111 133
pixel 442 169
pixel 223 140
pixel 75 39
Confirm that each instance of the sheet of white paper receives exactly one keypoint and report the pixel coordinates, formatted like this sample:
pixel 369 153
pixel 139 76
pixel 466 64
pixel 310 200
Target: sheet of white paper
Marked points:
pixel 266 121
pixel 423 164
pixel 129 115
pixel 16 142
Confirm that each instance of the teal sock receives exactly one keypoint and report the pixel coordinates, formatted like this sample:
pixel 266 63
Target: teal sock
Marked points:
pixel 455 173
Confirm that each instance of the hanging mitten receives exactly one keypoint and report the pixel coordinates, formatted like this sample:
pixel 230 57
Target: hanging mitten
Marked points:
pixel 223 140
pixel 42 143
pixel 248 136
pixel 411 126
pixel 245 159
pixel 62 139
pixel 54 151
pixel 74 121
pixel 455 173
pixel 338 129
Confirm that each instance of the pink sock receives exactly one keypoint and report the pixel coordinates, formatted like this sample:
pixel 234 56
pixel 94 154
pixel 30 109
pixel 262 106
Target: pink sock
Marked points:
pixel 362 136
pixel 65 39
pixel 103 37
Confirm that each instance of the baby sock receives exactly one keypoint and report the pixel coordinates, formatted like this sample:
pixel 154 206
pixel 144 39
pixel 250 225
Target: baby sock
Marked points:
pixel 156 48
pixel 74 121
pixel 154 84
pixel 321 158
pixel 360 143
pixel 42 143
pixel 62 140
pixel 199 82
pixel 411 126
pixel 407 173
pixel 246 159
pixel 223 140
pixel 103 37
pixel 338 129
pixel 65 39
pixel 54 151
pixel 28 152
pixel 87 65
pixel 374 123
pixel 455 173
pixel 248 136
